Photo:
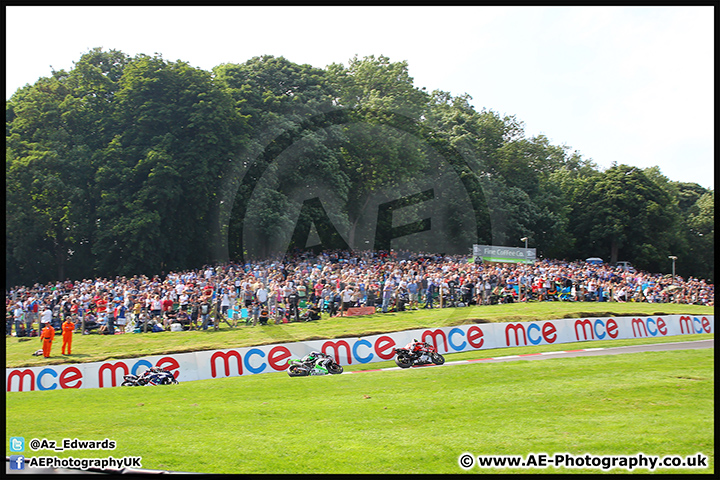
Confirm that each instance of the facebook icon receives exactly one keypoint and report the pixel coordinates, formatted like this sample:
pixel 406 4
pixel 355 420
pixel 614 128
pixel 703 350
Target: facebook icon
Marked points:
pixel 17 462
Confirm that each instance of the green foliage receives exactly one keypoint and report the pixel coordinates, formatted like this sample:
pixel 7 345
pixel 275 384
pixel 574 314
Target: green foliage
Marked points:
pixel 139 165
pixel 623 213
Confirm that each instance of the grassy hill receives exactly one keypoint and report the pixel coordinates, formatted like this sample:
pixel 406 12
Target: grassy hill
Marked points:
pixel 93 348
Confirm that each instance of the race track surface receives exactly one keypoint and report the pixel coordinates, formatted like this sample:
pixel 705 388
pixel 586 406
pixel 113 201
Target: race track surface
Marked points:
pixel 585 352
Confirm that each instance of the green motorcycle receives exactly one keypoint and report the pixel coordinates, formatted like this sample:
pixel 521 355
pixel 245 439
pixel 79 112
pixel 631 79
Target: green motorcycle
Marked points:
pixel 316 363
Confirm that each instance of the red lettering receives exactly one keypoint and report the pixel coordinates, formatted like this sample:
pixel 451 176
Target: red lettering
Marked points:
pixel 171 363
pixel 336 348
pixel 384 347
pixel 548 332
pixel 584 323
pixel 70 375
pixel 638 322
pixel 662 328
pixel 434 334
pixel 612 328
pixel 113 372
pixel 276 355
pixel 473 333
pixel 686 322
pixel 515 328
pixel 226 358
pixel 21 374
pixel 706 324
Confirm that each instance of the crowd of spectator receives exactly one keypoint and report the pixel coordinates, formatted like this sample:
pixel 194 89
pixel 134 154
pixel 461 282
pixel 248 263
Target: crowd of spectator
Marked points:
pixel 304 287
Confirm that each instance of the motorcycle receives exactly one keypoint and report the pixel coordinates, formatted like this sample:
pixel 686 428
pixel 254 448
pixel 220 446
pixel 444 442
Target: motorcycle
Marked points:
pixel 314 364
pixel 428 354
pixel 152 376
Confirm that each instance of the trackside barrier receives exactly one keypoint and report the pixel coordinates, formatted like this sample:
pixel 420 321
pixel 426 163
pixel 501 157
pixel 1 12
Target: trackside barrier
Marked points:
pixel 349 351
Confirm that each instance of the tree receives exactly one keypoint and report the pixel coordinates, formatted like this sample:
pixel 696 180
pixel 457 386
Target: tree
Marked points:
pixel 702 238
pixel 45 179
pixel 291 150
pixel 138 165
pixel 159 177
pixel 623 213
pixel 384 149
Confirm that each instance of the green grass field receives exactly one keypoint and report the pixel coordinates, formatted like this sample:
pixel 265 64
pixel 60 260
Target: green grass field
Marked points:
pixel 402 421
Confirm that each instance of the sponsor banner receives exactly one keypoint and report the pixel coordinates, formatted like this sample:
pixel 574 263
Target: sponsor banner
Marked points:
pixel 355 350
pixel 354 311
pixel 494 253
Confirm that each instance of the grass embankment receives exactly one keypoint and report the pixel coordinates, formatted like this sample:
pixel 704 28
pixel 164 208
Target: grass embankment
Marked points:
pixel 402 421
pixel 93 348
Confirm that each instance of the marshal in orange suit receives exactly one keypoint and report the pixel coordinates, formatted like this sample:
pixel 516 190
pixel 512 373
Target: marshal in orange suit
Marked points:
pixel 67 331
pixel 46 337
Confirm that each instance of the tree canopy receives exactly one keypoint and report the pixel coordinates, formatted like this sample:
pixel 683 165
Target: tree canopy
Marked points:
pixel 125 166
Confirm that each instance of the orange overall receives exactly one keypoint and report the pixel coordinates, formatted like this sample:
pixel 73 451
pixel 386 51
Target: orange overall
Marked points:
pixel 67 332
pixel 47 336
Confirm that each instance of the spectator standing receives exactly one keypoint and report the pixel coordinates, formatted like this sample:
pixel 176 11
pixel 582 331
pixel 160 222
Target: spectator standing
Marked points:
pixel 487 290
pixel 262 295
pixel 387 295
pixel 32 310
pixel 121 315
pixel 412 289
pixel 166 304
pixel 333 299
pixel 46 316
pixel 204 306
pixel 224 302
pixel 18 314
pixel 429 291
pixel 248 295
pixel 355 297
pixel 346 299
pixel 8 320
pixel 155 306
pixel 292 302
pixel 302 292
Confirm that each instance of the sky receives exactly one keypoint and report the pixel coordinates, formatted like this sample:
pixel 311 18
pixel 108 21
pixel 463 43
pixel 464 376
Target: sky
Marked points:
pixel 625 85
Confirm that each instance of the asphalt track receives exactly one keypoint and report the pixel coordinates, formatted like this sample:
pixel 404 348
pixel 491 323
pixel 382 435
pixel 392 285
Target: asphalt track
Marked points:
pixel 584 352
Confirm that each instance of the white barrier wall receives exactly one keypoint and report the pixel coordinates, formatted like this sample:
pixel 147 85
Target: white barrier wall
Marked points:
pixel 349 351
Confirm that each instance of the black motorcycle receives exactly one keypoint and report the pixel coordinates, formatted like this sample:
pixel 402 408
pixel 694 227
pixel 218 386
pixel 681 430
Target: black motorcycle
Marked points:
pixel 404 358
pixel 152 376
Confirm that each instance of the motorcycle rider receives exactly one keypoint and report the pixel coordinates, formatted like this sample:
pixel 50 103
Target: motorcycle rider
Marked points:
pixel 319 362
pixel 419 348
